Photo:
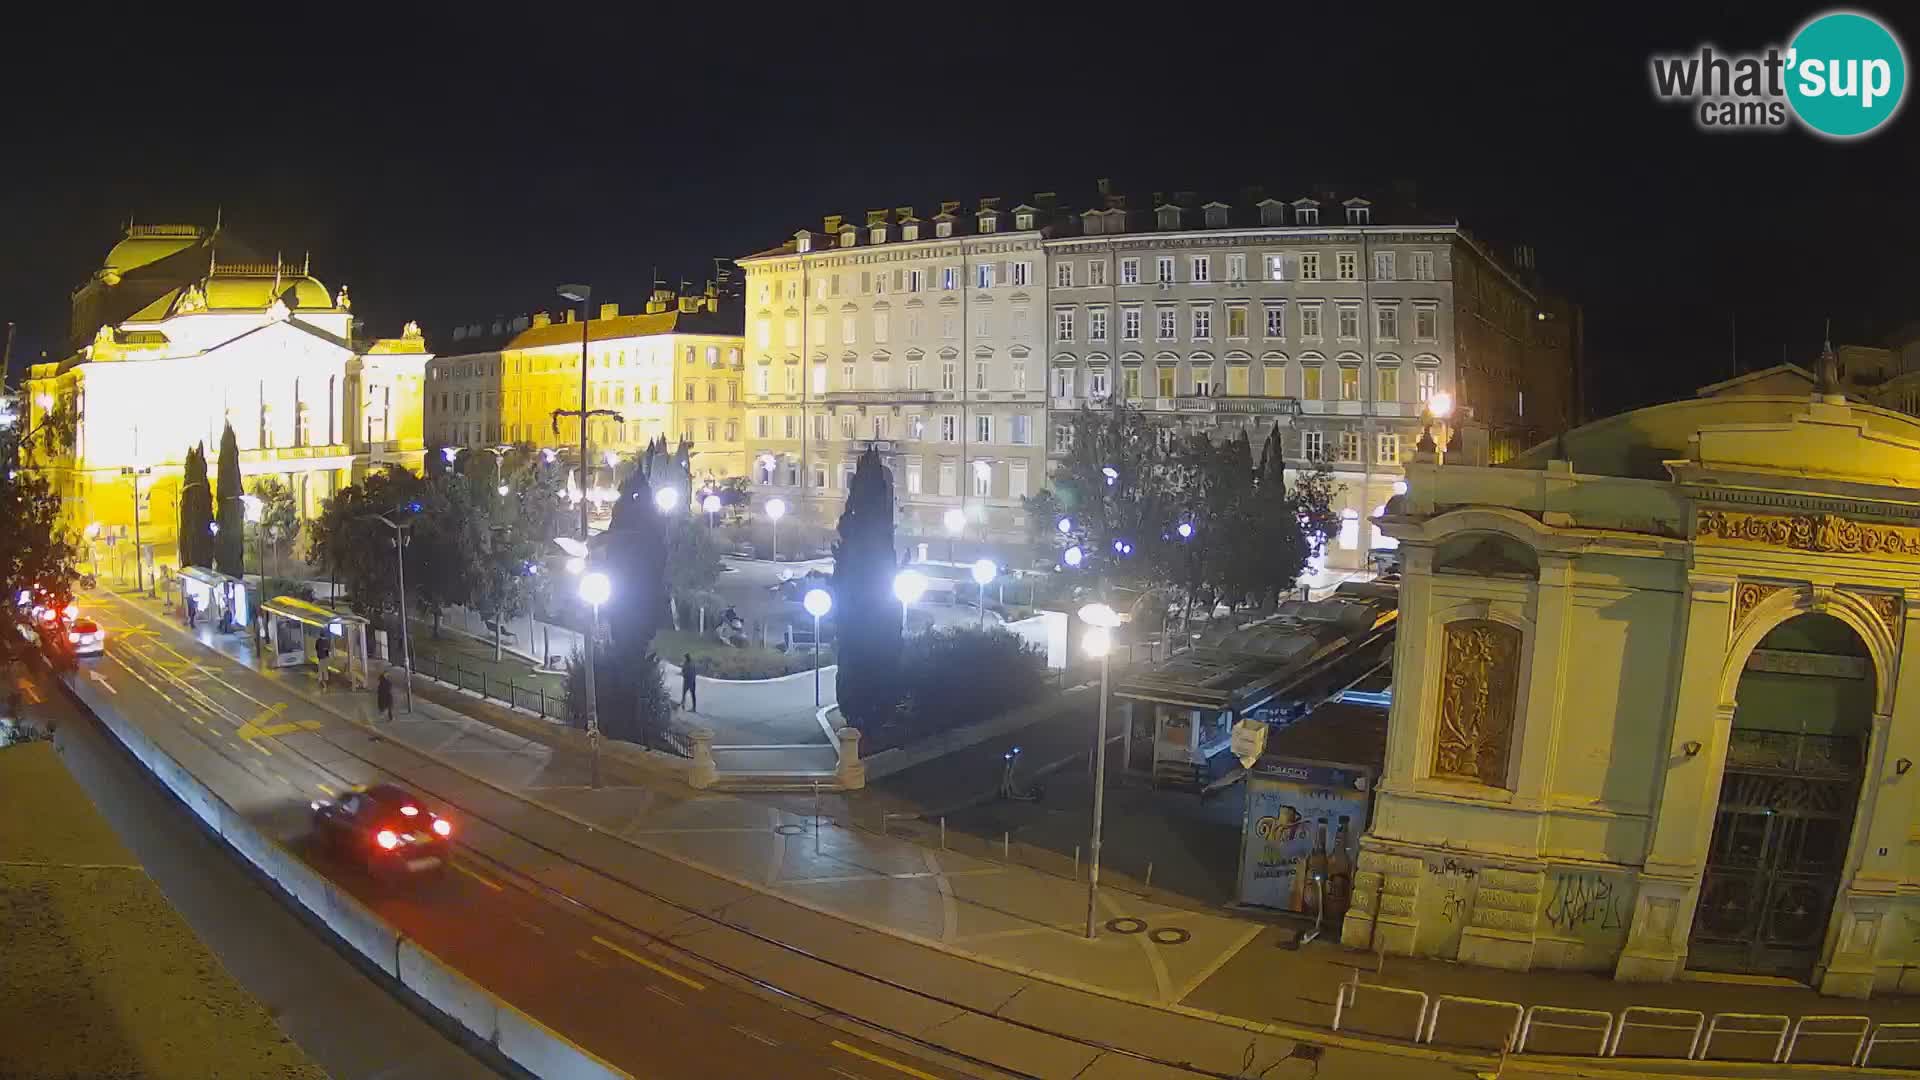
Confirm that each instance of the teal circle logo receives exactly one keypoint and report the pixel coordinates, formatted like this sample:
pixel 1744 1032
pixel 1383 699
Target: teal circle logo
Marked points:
pixel 1847 74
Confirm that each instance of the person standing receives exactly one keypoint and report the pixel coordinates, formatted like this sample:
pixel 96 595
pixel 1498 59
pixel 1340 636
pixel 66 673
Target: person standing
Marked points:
pixel 193 609
pixel 383 696
pixel 689 686
pixel 322 651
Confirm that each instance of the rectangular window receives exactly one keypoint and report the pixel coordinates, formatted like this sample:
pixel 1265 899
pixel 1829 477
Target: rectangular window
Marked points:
pixel 1386 322
pixel 913 326
pixel 1201 268
pixel 1276 322
pixel 1349 322
pixel 1237 380
pixel 1063 382
pixel 760 426
pixel 820 477
pixel 1097 324
pixel 1276 267
pixel 1098 385
pixel 1423 266
pixel 949 278
pixel 1062 438
pixel 948 324
pixel 948 480
pixel 820 427
pixel 1020 429
pixel 846 426
pixel 1203 381
pixel 1063 324
pixel 689 387
pixel 1017 480
pixel 1164 381
pixel 1389 448
pixel 1313 446
pixel 949 428
pixel 763 333
pixel 819 378
pixel 1129 271
pixel 1388 379
pixel 980 369
pixel 1349 445
pixel 1164 266
pixel 1020 272
pixel 880 323
pixel 713 431
pixel 1236 269
pixel 848 332
pixel 1130 324
pixel 1310 383
pixel 1383 266
pixel 916 427
pixel 1309 266
pixel 983 429
pixel 733 431
pixel 1063 274
pixel 1130 382
pixel 1019 322
pixel 1169 324
pixel 1425 382
pixel 1426 322
pixel 793 333
pixel 913 374
pixel 1347 264
pixel 1019 370
pixel 1237 321
pixel 848 377
pixel 879 379
pixel 1310 321
pixel 1097 272
pixel 1203 324
pixel 1349 383
pixel 983 276
pixel 913 478
pixel 916 280
pixel 982 479
pixel 949 375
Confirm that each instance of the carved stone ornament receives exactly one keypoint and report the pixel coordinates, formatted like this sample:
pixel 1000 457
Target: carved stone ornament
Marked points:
pixel 1886 606
pixel 1478 685
pixel 191 300
pixel 1825 533
pixel 1748 596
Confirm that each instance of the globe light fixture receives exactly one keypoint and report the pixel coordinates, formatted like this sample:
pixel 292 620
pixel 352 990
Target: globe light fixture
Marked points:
pixel 776 509
pixel 502 489
pixel 93 530
pixel 1440 405
pixel 955 520
pixel 1098 642
pixel 1099 615
pixel 666 499
pixel 1112 474
pixel 612 459
pixel 1074 555
pixel 984 571
pixel 575 564
pixel 1065 525
pixel 595 588
pixel 1185 530
pixel 909 586
pixel 213 528
pixel 817 602
pixel 548 456
pixel 1399 487
pixel 710 504
pixel 449 452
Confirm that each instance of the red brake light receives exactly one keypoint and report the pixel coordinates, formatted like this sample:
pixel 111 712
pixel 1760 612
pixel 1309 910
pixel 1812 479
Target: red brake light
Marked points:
pixel 387 839
pixel 441 826
pixel 410 810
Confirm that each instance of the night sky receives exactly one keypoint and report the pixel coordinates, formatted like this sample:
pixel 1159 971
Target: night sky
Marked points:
pixel 451 173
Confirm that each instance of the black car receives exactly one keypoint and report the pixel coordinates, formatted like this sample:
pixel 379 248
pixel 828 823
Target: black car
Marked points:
pixel 386 828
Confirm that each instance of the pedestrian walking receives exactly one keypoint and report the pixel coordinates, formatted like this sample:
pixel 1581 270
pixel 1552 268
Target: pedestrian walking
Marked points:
pixel 383 696
pixel 322 651
pixel 193 610
pixel 689 689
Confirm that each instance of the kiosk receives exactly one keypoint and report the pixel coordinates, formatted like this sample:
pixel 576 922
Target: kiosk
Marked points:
pixel 293 625
pixel 216 595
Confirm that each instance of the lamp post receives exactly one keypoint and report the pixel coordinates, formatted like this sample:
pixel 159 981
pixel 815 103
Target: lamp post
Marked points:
pixel 818 602
pixel 139 568
pixel 400 570
pixel 984 571
pixel 908 587
pixel 776 509
pixel 595 588
pixel 582 294
pixel 955 520
pixel 711 504
pixel 1100 620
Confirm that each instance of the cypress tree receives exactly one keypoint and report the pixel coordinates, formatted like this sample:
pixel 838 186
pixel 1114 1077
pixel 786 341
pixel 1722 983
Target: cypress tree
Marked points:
pixel 630 693
pixel 230 551
pixel 196 511
pixel 866 613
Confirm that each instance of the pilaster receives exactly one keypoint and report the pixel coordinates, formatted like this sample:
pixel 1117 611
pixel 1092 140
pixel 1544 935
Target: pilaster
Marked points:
pixel 1540 714
pixel 1500 931
pixel 1381 916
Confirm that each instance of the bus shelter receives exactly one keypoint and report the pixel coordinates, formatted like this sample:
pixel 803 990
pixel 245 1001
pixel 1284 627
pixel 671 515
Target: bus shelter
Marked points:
pixel 218 596
pixel 294 625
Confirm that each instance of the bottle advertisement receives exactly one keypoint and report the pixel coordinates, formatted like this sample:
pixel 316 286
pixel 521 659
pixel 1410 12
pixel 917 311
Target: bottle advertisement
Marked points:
pixel 1302 832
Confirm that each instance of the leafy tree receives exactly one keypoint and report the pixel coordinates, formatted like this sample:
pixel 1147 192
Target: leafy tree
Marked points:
pixel 1044 511
pixel 279 525
pixel 350 540
pixel 449 536
pixel 944 674
pixel 230 544
pixel 196 511
pixel 865 609
pixel 1313 495
pixel 1115 487
pixel 36 551
pixel 693 563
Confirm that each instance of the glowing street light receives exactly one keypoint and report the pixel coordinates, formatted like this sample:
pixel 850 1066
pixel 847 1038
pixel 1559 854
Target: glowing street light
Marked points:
pixel 817 602
pixel 1101 620
pixel 1065 525
pixel 502 490
pixel 776 509
pixel 1074 556
pixel 955 520
pixel 612 459
pixel 575 564
pixel 984 571
pixel 1185 530
pixel 666 499
pixel 1440 405
pixel 711 504
pixel 1112 474
pixel 595 589
pixel 908 587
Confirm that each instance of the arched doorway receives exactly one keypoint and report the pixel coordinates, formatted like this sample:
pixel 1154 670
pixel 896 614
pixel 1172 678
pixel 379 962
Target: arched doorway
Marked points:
pixel 1795 760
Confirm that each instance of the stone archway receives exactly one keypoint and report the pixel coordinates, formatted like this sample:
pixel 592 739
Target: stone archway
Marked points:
pixel 1805 699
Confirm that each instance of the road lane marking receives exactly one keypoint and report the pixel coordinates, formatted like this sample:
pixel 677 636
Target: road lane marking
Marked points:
pixel 837 1071
pixel 652 989
pixel 878 1060
pixel 590 958
pixel 102 680
pixel 756 1036
pixel 259 728
pixel 487 881
pixel 326 789
pixel 532 926
pixel 646 963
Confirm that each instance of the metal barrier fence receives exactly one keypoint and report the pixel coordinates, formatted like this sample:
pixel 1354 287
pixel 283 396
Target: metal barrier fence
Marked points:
pixel 534 697
pixel 1643 1031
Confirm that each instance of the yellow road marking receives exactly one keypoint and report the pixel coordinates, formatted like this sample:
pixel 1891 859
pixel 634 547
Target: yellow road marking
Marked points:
pixel 531 926
pixel 589 958
pixel 646 963
pixel 878 1060
pixel 488 882
pixel 33 695
pixel 326 789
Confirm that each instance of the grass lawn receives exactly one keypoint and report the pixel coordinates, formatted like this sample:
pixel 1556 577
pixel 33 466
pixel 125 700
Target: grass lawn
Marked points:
pixel 719 661
pixel 463 661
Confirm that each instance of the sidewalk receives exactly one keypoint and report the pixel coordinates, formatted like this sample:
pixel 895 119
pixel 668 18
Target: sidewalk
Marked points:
pixel 1196 970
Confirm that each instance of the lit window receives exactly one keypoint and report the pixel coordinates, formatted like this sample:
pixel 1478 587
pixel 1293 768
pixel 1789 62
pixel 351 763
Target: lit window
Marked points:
pixel 1349 530
pixel 1309 266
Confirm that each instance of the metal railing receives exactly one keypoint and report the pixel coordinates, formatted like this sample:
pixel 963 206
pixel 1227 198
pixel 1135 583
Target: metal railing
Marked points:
pixel 533 696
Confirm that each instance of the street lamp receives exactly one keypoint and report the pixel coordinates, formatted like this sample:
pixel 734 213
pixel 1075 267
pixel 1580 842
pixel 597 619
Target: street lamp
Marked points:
pixel 666 499
pixel 1100 620
pixel 400 569
pixel 776 509
pixel 1185 530
pixel 595 588
pixel 711 504
pixel 1065 525
pixel 92 533
pixel 139 568
pixel 956 520
pixel 818 602
pixel 1073 556
pixel 983 572
pixel 908 587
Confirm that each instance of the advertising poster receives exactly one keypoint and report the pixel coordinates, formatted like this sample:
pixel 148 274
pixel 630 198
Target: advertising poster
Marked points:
pixel 1304 818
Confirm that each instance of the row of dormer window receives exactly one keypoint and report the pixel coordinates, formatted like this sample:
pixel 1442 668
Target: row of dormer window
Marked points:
pixel 1216 215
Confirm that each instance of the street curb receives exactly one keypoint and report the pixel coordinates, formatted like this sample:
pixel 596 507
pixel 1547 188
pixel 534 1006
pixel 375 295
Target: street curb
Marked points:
pixel 518 1037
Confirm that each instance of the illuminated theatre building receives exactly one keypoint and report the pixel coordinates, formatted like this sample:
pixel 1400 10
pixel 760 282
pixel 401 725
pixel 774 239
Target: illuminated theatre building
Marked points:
pixel 182 331
pixel 1652 709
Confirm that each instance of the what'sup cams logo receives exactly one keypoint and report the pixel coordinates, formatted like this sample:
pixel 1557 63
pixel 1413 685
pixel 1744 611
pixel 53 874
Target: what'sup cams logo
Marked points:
pixel 1843 76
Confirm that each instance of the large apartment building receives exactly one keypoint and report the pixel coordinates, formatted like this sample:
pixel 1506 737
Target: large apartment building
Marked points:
pixel 960 345
pixel 673 369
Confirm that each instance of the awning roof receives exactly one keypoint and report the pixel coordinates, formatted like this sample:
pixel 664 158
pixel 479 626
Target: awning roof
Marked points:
pixel 312 614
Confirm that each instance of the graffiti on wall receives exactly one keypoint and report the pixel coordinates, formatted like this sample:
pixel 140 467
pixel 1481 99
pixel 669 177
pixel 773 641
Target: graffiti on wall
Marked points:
pixel 1586 904
pixel 1444 904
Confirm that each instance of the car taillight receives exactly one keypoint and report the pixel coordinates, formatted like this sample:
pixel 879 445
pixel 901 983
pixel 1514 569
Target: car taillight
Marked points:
pixel 441 826
pixel 410 811
pixel 387 839
pixel 73 637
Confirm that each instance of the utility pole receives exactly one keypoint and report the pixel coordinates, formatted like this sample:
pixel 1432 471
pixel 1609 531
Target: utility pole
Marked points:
pixel 400 568
pixel 583 295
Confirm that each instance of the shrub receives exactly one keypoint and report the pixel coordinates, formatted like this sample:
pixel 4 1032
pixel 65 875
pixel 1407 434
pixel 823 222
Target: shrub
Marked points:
pixel 957 675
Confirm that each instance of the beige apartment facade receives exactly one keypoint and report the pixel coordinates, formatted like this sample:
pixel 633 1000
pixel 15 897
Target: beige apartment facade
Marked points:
pixel 922 338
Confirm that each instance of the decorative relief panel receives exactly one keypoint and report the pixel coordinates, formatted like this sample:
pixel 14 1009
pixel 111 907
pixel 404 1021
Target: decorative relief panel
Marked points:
pixel 1885 605
pixel 1478 684
pixel 1808 532
pixel 1748 597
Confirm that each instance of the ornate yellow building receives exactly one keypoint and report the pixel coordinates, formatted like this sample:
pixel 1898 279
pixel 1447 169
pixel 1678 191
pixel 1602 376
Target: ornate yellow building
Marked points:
pixel 181 331
pixel 1652 711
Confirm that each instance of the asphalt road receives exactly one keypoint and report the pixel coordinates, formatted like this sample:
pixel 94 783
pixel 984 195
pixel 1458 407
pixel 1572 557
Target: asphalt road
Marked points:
pixel 593 980
pixel 346 1020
